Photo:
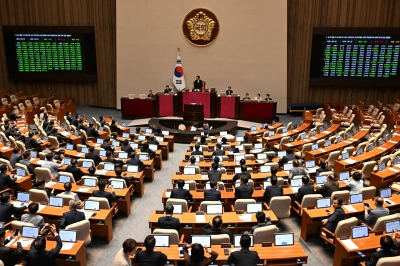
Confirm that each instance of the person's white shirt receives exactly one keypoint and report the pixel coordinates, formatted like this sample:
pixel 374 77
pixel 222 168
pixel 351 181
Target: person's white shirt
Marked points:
pixel 70 193
pixel 121 259
pixel 354 186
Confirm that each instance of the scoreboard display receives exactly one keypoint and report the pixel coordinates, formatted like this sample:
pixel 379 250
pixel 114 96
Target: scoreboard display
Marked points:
pixel 355 59
pixel 50 53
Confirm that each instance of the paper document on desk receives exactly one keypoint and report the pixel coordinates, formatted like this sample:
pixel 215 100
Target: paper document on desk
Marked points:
pixel 200 218
pixel 349 244
pixel 394 169
pixel 327 132
pixel 295 130
pixel 284 134
pixel 100 172
pixel 87 214
pixel 245 217
pixel 257 151
pixel 288 144
pixel 41 207
pixel 24 242
pixel 18 203
pixel 381 148
pixel 80 154
pixel 349 208
pixel 392 141
pixel 295 189
pixel 67 246
pixel 168 194
pixel 40 162
pixel 204 177
pixel 311 170
pixel 348 141
pixel 64 133
pixel 5 148
pixel 322 150
pixel 350 161
pixel 396 187
pixel 260 161
pixel 388 201
pixel 50 184
pixel 83 189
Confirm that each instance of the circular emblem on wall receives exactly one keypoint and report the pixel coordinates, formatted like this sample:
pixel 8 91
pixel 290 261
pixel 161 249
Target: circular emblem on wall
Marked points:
pixel 200 27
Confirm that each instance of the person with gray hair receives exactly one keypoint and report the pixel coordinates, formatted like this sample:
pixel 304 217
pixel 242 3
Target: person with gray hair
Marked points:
pixel 73 216
pixel 68 187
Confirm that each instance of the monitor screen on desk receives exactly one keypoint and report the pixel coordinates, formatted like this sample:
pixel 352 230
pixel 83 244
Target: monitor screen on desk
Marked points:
pixel 254 207
pixel 100 141
pixel 238 170
pixel 284 130
pixel 117 184
pixel 23 196
pixel 86 164
pixel 296 182
pixel 344 176
pixel 56 202
pixel 314 147
pixel 214 209
pixel 271 133
pixel 165 133
pixel 253 128
pixel 339 139
pixel 381 166
pixel 102 152
pixel 141 137
pixel 125 135
pixel 266 184
pixel 239 147
pixel 323 203
pixel 143 157
pixel 392 226
pixel 396 160
pixel 371 146
pixel 30 231
pixel 345 155
pixel 20 172
pixel 202 239
pixel 149 130
pixel 359 231
pixel 162 241
pixel 85 150
pixel 239 157
pixel 134 145
pixel 313 133
pixel 68 235
pixel 302 136
pixel 92 205
pixel 189 171
pixel 64 179
pixel 89 182
pixel 287 166
pixel 177 208
pixel 122 155
pixel 236 240
pixel 310 164
pixel 257 146
pixel 159 139
pixel 265 168
pixel 328 143
pixel 109 166
pixel 101 128
pixel 261 156
pixel 385 193
pixel 356 198
pixel 70 147
pixel 360 151
pixel 115 143
pixel 132 168
pixel 281 154
pixel 67 161
pixel 223 133
pixel 239 139
pixel 33 154
pixel 284 239
pixel 322 179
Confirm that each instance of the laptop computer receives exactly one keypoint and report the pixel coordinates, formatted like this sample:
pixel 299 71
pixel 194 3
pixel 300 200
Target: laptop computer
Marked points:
pixel 385 193
pixel 339 139
pixel 223 133
pixel 64 179
pixel 30 231
pixel 76 133
pixel 134 145
pixel 123 124
pixel 1 225
pixel 281 154
pixel 20 172
pixel 143 157
pixel 356 198
pixel 261 156
pixel 86 164
pixel 239 147
pixel 132 168
pixel 344 176
pixel 310 164
pixel 313 133
pixel 396 160
pixel 165 133
pixel 253 128
pixel 148 130
pixel 125 135
pixel 117 184
pixel 67 161
pixel 115 143
pixel 238 157
pixel 322 179
pixel 162 241
pixel 177 209
pixel 254 207
pixel 381 166
pixel 92 205
pixel 239 139
pixel 22 198
pixel 271 133
pixel 70 147
pixel 141 137
pixel 323 203
pixel 328 143
pixel 360 151
pixel 202 239
pixel 345 155
pixel 122 155
pixel 102 152
pixel 392 226
pixel 33 154
pixel 214 209
pixel 236 241
pixel 287 166
pixel 257 146
pixel 238 170
pixel 265 168
pixel 189 171
pixel 68 236
pixel 314 147
pixel 359 231
pixel 101 128
pixel 159 139
pixel 88 182
pixel 371 146
pixel 296 182
pixel 56 202
pixel 109 166
pixel 99 141
pixel 266 184
pixel 85 150
pixel 284 239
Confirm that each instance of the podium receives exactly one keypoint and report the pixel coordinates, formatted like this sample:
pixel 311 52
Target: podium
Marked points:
pixel 206 99
pixel 193 113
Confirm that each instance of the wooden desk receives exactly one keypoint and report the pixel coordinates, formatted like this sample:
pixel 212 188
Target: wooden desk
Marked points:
pixel 23 184
pixel 171 141
pixel 227 164
pixel 383 179
pixel 213 144
pixel 193 112
pixel 278 256
pixel 6 151
pixel 253 135
pixel 123 195
pixel 294 132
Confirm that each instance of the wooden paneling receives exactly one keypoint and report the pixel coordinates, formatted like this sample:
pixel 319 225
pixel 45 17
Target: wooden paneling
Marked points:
pixel 98 13
pixel 303 15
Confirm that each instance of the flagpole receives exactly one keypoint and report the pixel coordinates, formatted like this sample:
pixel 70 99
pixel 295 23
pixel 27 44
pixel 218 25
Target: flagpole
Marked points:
pixel 178 50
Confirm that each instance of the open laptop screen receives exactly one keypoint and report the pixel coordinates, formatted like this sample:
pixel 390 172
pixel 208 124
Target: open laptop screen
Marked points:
pixel 162 241
pixel 356 198
pixel 30 231
pixel 254 207
pixel 287 166
pixel 132 168
pixel 23 196
pixel 310 164
pixel 322 179
pixel 67 161
pixel 345 155
pixel 359 231
pixel 261 156
pixel 143 157
pixel 189 171
pixel 92 205
pixel 20 172
pixel 88 182
pixel 284 239
pixel 102 152
pixel 344 176
pixel 165 133
pixel 86 164
pixel 125 135
pixel 296 182
pixel 257 145
pixel 85 150
pixel 239 157
pixel 109 166
pixel 392 226
pixel 117 184
pixel 122 155
pixel 56 202
pixel 68 235
pixel 64 179
pixel 202 239
pixel 385 193
pixel 323 203
pixel 153 147
pixel 265 168
pixel 177 209
pixel 214 209
pixel 236 240
pixel 99 141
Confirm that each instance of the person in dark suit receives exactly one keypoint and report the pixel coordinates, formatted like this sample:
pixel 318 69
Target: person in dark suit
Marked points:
pixel 385 252
pixel 114 127
pixel 126 147
pixel 262 220
pixel 268 97
pixel 103 193
pixel 107 145
pixel 94 156
pixel 109 158
pixel 169 222
pixel 5 180
pixel 322 168
pixel 197 150
pixel 267 147
pixel 151 95
pixel 212 194
pixel 218 150
pixel 73 216
pixel 10 256
pixel 38 256
pixel 375 214
pixel 167 89
pixel 135 161
pixel 118 172
pixel 217 230
pixel 146 148
pixel 273 191
pixel 13 115
pixel 41 185
pixel 229 91
pixel 197 258
pixel 328 188
pixel 244 257
pixel 214 174
pixel 15 157
pixel 6 208
pixel 75 171
pixel 247 97
pixel 306 189
pixel 288 157
pixel 244 191
pixel 31 143
pixel 334 218
pixel 245 140
pixel 273 172
pixel 242 173
pixel 180 192
pixel 197 84
pixel 81 125
pixel 158 133
pixel 102 121
pixel 297 169
pixel 75 122
pixel 69 117
pixel 92 131
pixel 149 256
pixel 152 140
pixel 26 161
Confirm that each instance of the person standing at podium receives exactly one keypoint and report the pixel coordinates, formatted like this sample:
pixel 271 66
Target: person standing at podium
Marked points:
pixel 229 91
pixel 197 84
pixel 167 89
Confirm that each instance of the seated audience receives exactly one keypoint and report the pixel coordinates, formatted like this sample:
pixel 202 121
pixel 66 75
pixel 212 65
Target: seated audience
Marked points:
pixel 297 170
pixel 180 192
pixel 118 175
pixel 128 249
pixel 109 158
pixel 169 222
pixel 262 220
pixel 5 180
pixel 107 145
pixel 32 217
pixel 196 257
pixel 73 216
pixel 26 161
pixel 93 156
pixel 68 187
pixel 7 209
pixel 288 157
pixel 214 174
pixel 146 148
pixel 102 193
pixel 52 165
pixel 39 256
pixel 15 157
pixel 244 191
pixel 41 185
pixel 273 172
pixel 334 218
pixel 218 150
pixel 216 227
pixel 212 194
pixel 243 172
pixel 375 214
pixel 74 170
pixel 244 257
pixel 197 150
pixel 92 131
pixel 10 256
pixel 126 147
pixel 192 161
pixel 355 183
pixel 272 191
pixel 306 189
pixel 149 256
pixel 322 168
pixel 135 161
pixel 385 251
pixel 328 188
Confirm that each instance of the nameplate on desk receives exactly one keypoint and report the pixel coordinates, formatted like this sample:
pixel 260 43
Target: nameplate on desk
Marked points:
pixel 240 212
pixel 266 244
pixel 199 190
pixel 257 188
pixel 380 232
pixel 199 213
pixel 225 245
pixel 229 190
pixel 159 212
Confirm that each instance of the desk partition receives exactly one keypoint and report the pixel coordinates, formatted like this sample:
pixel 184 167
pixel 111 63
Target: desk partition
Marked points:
pixel 228 106
pixel 257 111
pixel 137 108
pixel 165 104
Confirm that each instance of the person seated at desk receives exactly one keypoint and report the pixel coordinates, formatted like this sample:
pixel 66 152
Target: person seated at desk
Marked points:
pixel 273 172
pixel 93 156
pixel 268 97
pixel 243 172
pixel 158 133
pixel 258 97
pixel 322 168
pixel 328 188
pixel 247 97
pixel 229 91
pixel 146 148
pixel 224 141
pixel 75 122
pixel 152 140
pixel 167 221
pixel 126 147
pixel 41 185
pixel 102 193
pixel 244 257
pixel 68 188
pixel 216 160
pixel 355 183
pixel 296 170
pixel 217 230
pixel 109 158
pixel 43 114
pixel 385 251
pixel 149 256
pixel 203 140
pixel 15 157
pixel 5 180
pixel 151 95
pixel 212 194
pixel 270 158
pixel 167 89
pixel 61 139
pixel 52 165
pixel 214 173
pixel 27 162
pixel 13 114
pixel 135 161
pixel 267 147
pixel 10 256
pixel 334 218
pixel 288 157
pixel 107 145
pixel 39 256
pixel 197 150
pixel 375 214
pixel 262 219
pixel 128 249
pixel 7 209
pixel 81 125
pixel 218 150
pixel 118 172
pixel 197 84
pixel 31 143
pixel 244 191
pixel 102 121
pixel 75 171
pixel 92 172
pixel 306 189
pixel 32 217
pixel 272 191
pixel 69 116
pixel 92 131
pixel 245 140
pixel 114 127
pixel 11 131
pixel 180 192
pixel 49 148
pixel 196 257
pixel 192 162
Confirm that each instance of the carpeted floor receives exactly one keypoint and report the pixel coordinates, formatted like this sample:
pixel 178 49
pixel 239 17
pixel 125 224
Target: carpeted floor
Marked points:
pixel 136 225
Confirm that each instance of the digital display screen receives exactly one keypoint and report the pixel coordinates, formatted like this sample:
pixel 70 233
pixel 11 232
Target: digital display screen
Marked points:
pixel 50 53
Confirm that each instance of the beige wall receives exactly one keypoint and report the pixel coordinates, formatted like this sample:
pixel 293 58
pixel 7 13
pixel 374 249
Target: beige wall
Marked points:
pixel 249 54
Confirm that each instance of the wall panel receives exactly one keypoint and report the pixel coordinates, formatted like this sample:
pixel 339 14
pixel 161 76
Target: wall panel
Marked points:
pixel 100 14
